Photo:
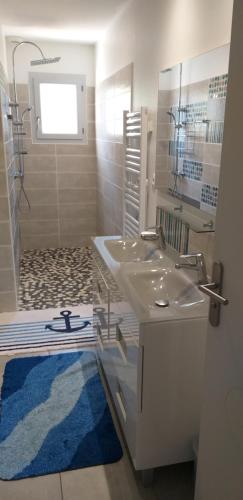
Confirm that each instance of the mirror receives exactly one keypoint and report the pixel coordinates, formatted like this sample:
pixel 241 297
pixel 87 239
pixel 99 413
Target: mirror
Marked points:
pixel 190 125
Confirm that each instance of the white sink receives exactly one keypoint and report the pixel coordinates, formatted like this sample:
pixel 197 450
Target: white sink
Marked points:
pixel 164 284
pixel 145 274
pixel 133 250
pixel 150 282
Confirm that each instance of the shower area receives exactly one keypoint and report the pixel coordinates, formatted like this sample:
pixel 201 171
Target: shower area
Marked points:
pixel 48 180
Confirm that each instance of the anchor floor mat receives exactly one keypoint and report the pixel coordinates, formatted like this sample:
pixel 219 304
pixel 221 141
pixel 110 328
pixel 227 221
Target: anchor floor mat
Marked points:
pixel 64 331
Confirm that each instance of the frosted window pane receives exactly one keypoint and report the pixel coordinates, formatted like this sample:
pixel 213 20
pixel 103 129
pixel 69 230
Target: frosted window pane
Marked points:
pixel 58 104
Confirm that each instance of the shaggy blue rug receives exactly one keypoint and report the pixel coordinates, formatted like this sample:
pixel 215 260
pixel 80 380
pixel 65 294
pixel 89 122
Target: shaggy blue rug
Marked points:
pixel 54 416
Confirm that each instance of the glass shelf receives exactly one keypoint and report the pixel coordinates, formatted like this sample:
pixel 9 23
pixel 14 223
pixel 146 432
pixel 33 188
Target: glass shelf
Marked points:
pixel 202 224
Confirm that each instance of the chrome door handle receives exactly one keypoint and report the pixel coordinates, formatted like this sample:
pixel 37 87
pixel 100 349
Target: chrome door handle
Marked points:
pixel 209 288
pixel 213 290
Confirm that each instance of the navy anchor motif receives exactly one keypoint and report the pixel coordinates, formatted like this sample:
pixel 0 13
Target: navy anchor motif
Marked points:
pixel 67 315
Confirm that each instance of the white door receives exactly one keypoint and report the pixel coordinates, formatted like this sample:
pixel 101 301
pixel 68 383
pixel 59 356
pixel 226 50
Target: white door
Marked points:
pixel 220 464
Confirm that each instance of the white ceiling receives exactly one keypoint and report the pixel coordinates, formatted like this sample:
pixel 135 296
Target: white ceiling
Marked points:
pixel 74 20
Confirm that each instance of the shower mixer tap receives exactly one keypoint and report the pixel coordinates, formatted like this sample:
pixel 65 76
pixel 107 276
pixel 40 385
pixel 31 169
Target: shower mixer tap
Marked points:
pixel 13 104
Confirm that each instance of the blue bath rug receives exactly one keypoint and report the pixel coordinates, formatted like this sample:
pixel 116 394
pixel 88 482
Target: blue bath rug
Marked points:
pixel 54 416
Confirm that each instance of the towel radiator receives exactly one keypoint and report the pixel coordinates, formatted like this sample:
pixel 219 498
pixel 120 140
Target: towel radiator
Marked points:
pixel 135 172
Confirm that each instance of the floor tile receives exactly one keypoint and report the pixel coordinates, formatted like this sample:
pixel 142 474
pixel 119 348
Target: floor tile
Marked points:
pixel 116 481
pixel 55 277
pixel 109 482
pixel 119 481
pixel 39 488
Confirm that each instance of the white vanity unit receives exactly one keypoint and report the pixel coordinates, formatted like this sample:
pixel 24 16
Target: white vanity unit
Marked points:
pixel 152 357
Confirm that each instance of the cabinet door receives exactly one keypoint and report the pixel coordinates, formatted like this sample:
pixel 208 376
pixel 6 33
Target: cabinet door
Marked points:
pixel 172 391
pixel 117 333
pixel 127 335
pixel 126 359
pixel 101 320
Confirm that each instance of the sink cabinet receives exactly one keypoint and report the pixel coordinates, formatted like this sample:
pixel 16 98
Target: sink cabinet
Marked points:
pixel 154 372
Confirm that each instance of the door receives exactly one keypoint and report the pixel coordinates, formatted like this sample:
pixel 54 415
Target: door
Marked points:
pixel 220 461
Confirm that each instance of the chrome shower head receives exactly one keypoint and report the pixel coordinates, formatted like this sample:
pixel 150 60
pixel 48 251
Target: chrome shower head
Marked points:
pixel 26 110
pixel 45 60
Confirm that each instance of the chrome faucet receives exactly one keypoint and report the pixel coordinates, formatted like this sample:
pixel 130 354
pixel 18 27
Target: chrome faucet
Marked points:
pixel 198 265
pixel 155 233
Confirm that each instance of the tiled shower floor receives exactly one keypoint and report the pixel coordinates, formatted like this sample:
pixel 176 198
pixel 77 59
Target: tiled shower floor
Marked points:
pixel 55 277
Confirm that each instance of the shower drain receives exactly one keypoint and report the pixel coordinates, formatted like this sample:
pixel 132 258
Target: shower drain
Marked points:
pixel 162 303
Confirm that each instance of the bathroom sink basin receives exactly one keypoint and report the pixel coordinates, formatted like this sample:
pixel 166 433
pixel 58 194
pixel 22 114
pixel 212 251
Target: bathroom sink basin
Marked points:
pixel 160 288
pixel 133 250
pixel 167 285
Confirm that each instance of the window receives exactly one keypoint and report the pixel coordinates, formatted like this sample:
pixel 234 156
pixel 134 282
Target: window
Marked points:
pixel 59 107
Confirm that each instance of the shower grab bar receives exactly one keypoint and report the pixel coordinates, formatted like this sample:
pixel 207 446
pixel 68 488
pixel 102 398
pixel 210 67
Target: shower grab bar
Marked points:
pixel 201 122
pixel 13 104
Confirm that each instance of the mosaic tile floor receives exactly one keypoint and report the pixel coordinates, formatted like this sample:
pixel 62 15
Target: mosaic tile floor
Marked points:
pixel 55 277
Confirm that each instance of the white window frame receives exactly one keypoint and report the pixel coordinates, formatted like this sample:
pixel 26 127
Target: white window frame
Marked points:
pixel 80 81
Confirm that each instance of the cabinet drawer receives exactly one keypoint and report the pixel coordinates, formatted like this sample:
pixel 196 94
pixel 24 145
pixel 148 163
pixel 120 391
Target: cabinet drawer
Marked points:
pixel 119 358
pixel 124 353
pixel 126 372
pixel 127 418
pixel 106 358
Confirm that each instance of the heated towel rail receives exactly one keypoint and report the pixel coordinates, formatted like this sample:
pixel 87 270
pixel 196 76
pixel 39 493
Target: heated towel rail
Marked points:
pixel 135 174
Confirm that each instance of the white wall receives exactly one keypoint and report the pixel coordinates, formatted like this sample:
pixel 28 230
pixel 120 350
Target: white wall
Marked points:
pixel 75 59
pixel 3 57
pixel 157 35
pixel 203 67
